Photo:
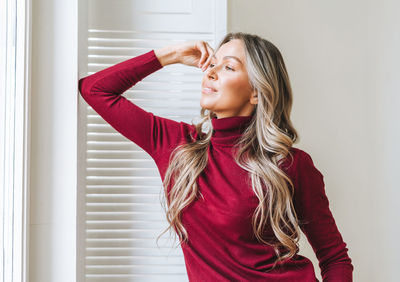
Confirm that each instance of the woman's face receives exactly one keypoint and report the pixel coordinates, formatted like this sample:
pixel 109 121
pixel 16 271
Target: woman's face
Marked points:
pixel 233 95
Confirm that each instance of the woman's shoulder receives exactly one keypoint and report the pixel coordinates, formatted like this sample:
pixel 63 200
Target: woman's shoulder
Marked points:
pixel 299 153
pixel 296 158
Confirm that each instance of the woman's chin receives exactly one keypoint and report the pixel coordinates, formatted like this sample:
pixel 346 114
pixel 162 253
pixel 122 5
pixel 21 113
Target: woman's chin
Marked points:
pixel 210 100
pixel 206 105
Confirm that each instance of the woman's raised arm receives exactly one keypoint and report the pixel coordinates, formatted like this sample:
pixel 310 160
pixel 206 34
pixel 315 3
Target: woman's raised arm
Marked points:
pixel 102 91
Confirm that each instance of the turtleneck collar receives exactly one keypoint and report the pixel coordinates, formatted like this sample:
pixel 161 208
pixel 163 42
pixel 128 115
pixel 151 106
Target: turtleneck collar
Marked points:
pixel 227 130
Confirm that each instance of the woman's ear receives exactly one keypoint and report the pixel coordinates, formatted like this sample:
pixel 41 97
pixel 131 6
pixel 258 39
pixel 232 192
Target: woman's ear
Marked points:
pixel 254 98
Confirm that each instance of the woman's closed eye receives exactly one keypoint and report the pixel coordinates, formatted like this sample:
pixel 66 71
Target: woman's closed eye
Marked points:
pixel 225 66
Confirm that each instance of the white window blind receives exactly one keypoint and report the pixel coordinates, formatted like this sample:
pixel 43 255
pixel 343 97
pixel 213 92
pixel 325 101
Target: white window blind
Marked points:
pixel 120 211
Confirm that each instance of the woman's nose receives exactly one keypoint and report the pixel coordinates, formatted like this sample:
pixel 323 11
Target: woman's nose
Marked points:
pixel 210 72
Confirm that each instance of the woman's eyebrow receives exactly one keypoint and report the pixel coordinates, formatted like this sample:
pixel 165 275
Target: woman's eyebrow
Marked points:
pixel 228 57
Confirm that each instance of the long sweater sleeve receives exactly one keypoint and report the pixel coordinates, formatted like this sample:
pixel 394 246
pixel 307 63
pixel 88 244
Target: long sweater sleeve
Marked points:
pixel 319 224
pixel 102 91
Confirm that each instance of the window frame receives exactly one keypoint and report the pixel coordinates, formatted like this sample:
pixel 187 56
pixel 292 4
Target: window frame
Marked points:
pixel 15 46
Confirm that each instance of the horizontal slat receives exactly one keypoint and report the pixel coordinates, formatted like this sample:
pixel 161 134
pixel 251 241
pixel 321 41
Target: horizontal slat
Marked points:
pixel 105 136
pixel 118 146
pixel 117 152
pixel 100 196
pixel 124 233
pixel 124 215
pixel 136 277
pixel 128 39
pixel 133 260
pixel 127 198
pixel 116 172
pixel 128 242
pixel 134 269
pixel 128 42
pixel 104 157
pixel 151 33
pixel 110 195
pixel 110 144
pixel 104 186
pixel 136 187
pixel 144 223
pixel 150 252
pixel 114 189
pixel 125 180
pixel 118 177
pixel 172 277
pixel 122 163
pixel 123 207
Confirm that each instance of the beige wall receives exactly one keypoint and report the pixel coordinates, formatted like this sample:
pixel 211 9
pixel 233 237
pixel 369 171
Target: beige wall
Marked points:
pixel 343 62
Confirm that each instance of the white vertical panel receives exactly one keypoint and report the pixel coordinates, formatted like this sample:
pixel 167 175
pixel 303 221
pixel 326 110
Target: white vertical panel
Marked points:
pixel 53 156
pixel 121 214
pixel 14 138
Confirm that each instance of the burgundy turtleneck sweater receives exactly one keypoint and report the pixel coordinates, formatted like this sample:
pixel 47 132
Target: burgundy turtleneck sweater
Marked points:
pixel 221 244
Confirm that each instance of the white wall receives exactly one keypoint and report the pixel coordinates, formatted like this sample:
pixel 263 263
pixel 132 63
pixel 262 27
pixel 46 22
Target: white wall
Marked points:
pixel 343 62
pixel 53 149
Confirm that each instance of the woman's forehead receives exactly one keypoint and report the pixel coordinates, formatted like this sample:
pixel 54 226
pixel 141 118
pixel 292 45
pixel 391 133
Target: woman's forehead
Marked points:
pixel 232 49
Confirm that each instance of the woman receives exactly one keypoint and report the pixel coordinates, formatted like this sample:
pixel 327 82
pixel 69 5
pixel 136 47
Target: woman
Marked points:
pixel 238 194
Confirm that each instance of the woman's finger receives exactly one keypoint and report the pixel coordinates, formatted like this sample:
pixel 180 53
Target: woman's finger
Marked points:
pixel 209 48
pixel 204 53
pixel 210 52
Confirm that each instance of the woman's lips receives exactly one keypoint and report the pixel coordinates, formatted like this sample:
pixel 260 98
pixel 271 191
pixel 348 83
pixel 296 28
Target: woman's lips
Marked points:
pixel 208 90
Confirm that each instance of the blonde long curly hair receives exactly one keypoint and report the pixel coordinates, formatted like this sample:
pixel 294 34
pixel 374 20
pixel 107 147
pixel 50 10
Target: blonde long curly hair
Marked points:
pixel 264 144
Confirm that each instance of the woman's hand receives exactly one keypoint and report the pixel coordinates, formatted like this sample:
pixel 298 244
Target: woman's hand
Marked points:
pixel 195 53
pixel 192 53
